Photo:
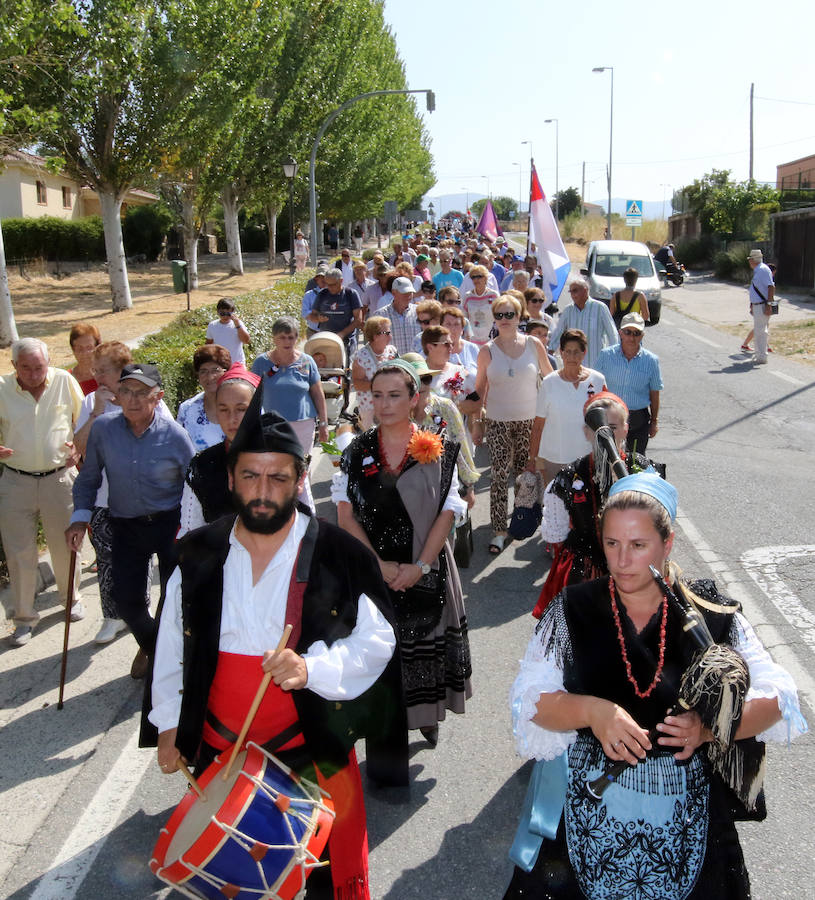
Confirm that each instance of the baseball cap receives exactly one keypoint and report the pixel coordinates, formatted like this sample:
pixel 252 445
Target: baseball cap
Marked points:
pixel 403 285
pixel 143 372
pixel 633 320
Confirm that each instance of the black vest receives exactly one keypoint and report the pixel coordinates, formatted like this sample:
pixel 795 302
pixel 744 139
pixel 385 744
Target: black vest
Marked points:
pixel 337 568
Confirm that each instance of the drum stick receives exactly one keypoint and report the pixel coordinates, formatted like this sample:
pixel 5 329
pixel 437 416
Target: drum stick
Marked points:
pixel 255 704
pixel 69 602
pixel 191 779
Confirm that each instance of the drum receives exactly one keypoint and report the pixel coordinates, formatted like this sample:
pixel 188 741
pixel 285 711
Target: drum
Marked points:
pixel 258 834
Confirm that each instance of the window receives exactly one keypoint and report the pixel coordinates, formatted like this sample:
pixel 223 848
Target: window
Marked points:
pixel 42 196
pixel 66 197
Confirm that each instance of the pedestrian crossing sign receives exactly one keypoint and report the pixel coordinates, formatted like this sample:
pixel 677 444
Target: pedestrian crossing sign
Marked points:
pixel 633 212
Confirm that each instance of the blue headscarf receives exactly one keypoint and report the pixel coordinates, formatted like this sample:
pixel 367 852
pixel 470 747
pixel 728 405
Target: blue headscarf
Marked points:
pixel 651 484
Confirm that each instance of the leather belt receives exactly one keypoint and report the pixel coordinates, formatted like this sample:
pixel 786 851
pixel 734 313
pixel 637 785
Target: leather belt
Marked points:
pixel 35 474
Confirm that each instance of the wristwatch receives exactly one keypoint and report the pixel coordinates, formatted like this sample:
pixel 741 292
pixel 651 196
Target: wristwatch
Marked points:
pixel 425 567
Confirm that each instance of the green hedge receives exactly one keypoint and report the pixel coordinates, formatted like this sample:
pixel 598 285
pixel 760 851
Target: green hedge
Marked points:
pixel 51 238
pixel 171 348
pixel 732 265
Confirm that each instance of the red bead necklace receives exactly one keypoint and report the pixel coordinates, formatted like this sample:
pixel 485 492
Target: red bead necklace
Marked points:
pixel 658 674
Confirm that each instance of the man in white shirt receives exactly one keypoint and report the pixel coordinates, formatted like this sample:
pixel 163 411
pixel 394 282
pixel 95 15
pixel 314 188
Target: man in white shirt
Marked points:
pixel 346 265
pixel 228 331
pixel 336 680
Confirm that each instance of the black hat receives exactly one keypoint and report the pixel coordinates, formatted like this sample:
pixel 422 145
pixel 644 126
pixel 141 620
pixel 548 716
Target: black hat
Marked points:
pixel 143 372
pixel 265 432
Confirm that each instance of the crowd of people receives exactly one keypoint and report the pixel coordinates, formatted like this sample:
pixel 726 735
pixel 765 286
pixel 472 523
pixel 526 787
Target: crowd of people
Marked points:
pixel 451 341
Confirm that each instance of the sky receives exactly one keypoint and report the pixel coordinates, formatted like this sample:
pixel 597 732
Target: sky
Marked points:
pixel 682 76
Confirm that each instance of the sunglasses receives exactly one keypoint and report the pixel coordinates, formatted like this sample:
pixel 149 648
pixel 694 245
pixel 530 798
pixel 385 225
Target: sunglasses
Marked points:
pixel 631 332
pixel 452 302
pixel 504 315
pixel 530 302
pixel 424 321
pixel 382 332
pixel 478 277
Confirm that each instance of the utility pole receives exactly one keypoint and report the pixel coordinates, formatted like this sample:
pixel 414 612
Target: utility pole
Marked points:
pixel 752 87
pixel 583 189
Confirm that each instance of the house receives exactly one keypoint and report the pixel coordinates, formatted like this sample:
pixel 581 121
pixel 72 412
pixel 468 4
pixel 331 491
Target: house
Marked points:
pixel 28 190
pixel 593 209
pixel 796 175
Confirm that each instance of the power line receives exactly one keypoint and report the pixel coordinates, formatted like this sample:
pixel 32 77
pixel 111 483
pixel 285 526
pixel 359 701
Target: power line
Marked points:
pixel 796 102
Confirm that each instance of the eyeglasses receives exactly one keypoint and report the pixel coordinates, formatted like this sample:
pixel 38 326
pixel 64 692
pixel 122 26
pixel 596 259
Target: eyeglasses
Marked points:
pixel 211 372
pixel 630 332
pixel 139 396
pixel 383 332
pixel 510 314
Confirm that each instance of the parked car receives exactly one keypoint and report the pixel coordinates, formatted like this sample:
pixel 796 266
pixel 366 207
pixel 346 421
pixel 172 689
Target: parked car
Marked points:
pixel 607 260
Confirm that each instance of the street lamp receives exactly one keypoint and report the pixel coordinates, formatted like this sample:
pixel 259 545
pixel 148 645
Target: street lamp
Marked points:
pixel 520 187
pixel 290 171
pixel 610 141
pixel 557 191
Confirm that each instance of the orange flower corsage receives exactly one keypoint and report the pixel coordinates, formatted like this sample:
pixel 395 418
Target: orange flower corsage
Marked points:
pixel 425 447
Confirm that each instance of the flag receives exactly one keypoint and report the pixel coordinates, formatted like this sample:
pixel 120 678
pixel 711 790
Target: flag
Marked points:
pixel 488 223
pixel 551 254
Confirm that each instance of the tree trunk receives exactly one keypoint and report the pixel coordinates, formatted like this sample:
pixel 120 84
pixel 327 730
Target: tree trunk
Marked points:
pixel 190 236
pixel 8 327
pixel 271 226
pixel 231 204
pixel 111 205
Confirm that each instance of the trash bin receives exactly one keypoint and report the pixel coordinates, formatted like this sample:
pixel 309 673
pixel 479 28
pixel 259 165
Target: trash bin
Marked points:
pixel 179 275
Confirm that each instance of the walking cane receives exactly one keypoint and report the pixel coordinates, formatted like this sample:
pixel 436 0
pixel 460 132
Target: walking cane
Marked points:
pixel 68 604
pixel 255 704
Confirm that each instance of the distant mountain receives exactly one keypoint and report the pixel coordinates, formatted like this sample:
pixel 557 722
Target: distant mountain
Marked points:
pixel 652 209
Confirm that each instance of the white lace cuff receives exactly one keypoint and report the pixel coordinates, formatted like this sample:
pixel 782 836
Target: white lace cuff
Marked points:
pixel 339 488
pixel 768 679
pixel 539 674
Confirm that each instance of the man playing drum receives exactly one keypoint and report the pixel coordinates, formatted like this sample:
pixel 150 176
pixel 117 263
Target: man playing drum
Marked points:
pixel 239 582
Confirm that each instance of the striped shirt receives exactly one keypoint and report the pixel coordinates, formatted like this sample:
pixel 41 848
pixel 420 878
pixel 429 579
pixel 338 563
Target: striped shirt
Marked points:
pixel 631 379
pixel 403 327
pixel 595 321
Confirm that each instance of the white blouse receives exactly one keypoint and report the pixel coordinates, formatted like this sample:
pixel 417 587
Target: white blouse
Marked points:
pixel 540 674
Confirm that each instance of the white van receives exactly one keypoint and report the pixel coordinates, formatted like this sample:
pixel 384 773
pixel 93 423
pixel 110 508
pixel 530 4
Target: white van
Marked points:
pixel 607 260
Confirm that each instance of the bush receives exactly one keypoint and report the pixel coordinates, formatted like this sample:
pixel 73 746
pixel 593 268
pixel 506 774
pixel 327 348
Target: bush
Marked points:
pixel 732 265
pixel 171 348
pixel 695 253
pixel 144 229
pixel 48 237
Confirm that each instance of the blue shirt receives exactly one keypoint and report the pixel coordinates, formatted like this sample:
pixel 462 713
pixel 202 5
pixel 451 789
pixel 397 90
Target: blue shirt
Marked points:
pixel 453 277
pixel 308 302
pixel 632 380
pixel 145 474
pixel 338 307
pixel 286 388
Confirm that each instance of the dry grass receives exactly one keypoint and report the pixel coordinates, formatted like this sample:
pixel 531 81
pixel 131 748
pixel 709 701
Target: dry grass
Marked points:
pixel 46 307
pixel 592 228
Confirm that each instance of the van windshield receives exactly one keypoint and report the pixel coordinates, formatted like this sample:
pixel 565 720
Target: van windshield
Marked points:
pixel 614 264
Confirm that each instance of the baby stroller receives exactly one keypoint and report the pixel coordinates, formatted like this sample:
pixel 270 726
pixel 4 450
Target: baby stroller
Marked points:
pixel 328 352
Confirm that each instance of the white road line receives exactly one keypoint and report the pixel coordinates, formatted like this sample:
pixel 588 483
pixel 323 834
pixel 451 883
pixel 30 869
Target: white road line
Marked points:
pixel 664 321
pixel 762 565
pixel 784 377
pixel 64 878
pixel 768 633
pixel 698 338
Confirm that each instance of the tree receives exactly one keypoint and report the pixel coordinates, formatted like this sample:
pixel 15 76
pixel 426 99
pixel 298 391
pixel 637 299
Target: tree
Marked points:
pixel 502 206
pixel 732 209
pixel 567 202
pixel 32 36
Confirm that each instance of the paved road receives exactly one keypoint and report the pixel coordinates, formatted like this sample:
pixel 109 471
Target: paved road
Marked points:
pixel 84 806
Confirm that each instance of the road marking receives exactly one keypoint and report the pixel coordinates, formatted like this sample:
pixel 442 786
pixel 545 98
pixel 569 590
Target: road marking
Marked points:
pixel 768 633
pixel 64 877
pixel 698 338
pixel 784 377
pixel 762 565
pixel 664 321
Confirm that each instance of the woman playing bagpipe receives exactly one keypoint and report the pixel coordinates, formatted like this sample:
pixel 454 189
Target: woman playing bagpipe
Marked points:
pixel 574 497
pixel 625 800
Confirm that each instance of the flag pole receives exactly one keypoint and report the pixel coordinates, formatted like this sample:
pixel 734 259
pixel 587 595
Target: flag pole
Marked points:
pixel 529 217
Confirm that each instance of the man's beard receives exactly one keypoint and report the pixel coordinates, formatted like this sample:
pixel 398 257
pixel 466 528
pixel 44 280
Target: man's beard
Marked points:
pixel 273 515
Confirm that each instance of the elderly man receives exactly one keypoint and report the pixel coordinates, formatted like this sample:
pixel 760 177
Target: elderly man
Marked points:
pixel 311 295
pixel 39 407
pixel 145 457
pixel 402 315
pixel 377 294
pixel 761 294
pixel 591 317
pixel 633 374
pixel 346 265
pixel 338 309
pixel 361 282
pixel 517 265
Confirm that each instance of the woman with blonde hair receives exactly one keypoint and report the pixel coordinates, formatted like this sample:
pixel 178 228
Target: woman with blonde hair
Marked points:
pixel 377 350
pixel 477 304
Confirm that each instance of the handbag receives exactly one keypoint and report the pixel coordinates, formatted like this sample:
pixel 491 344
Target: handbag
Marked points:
pixel 463 546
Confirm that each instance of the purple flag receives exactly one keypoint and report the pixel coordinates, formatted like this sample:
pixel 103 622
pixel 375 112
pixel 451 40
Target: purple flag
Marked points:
pixel 488 223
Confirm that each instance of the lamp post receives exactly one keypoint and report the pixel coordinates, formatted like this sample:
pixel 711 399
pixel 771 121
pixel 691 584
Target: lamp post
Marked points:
pixel 312 194
pixel 290 171
pixel 610 141
pixel 557 189
pixel 520 186
pixel 529 218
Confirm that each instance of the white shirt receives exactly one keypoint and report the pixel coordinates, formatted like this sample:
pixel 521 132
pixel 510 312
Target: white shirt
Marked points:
pixel 227 336
pixel 252 622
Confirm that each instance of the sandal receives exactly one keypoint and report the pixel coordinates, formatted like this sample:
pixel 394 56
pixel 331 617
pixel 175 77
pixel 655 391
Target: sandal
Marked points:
pixel 497 544
pixel 747 348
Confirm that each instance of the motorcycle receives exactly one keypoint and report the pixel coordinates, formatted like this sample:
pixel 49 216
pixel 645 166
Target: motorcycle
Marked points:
pixel 675 273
